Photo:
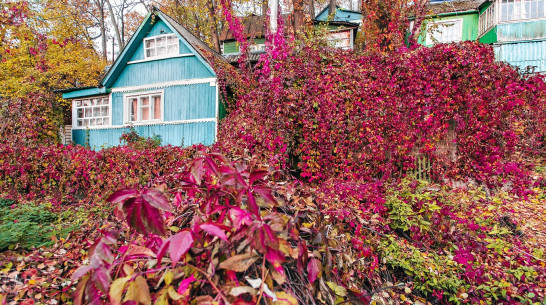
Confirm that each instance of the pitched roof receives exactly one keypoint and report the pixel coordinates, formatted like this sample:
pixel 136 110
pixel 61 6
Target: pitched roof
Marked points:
pixel 253 26
pixel 195 42
pixel 444 7
pixel 192 42
pixel 341 14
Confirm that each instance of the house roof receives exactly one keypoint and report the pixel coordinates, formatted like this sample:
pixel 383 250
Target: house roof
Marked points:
pixel 445 7
pixel 204 53
pixel 254 26
pixel 341 14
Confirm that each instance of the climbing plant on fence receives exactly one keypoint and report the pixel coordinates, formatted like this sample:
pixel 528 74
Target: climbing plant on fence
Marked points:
pixel 325 113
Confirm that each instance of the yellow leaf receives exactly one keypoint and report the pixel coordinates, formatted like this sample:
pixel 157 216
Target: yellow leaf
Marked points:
pixel 138 291
pixel 338 290
pixel 173 294
pixel 162 299
pixel 169 275
pixel 116 290
pixel 284 298
pixel 32 282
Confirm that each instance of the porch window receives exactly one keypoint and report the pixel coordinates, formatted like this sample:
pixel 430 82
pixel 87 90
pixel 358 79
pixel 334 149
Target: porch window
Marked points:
pixel 92 112
pixel 444 31
pixel 512 10
pixel 161 46
pixel 144 107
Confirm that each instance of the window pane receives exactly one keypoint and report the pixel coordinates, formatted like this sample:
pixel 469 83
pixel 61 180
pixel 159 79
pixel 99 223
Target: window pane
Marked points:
pixel 80 123
pixel 144 101
pixel 170 39
pixel 88 112
pixel 133 109
pixel 172 49
pixel 80 113
pixel 157 107
pixel 104 111
pixel 161 41
pixel 86 103
pixel 161 51
pixel 98 122
pixel 145 113
pixel 92 122
pixel 106 121
pixel 150 53
pixel 96 112
pixel 78 103
pixel 150 43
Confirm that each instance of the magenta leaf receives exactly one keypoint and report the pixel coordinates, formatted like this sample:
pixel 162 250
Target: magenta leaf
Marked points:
pixel 196 169
pixel 240 217
pixel 101 279
pixel 252 206
pixel 257 175
pixel 265 193
pixel 157 199
pixel 142 216
pixel 122 195
pixel 213 229
pixel 185 284
pixel 179 245
pixel 80 272
pixel 313 269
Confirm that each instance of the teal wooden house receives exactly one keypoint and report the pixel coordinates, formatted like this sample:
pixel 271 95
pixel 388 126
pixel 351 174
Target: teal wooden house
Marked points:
pixel 162 84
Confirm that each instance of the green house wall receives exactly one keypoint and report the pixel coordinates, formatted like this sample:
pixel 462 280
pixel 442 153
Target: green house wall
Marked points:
pixel 232 47
pixel 469 30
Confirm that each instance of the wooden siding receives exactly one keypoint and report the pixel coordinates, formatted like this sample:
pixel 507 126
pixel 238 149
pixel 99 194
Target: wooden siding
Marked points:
pixel 518 31
pixel 186 134
pixel 164 70
pixel 523 54
pixel 185 102
pixel 341 15
pixel 469 30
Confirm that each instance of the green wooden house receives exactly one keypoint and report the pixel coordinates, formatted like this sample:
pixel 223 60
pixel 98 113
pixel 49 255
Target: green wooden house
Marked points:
pixel 450 21
pixel 517 31
pixel 515 28
pixel 162 84
pixel 342 31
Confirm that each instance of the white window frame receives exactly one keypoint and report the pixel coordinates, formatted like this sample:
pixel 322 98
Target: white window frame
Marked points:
pixel 155 38
pixel 75 108
pixel 441 25
pixel 520 18
pixel 139 95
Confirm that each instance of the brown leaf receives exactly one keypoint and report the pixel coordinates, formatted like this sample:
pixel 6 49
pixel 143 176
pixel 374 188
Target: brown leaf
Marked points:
pixel 239 263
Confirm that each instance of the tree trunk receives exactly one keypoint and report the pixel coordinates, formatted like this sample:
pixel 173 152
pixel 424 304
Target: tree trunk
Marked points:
pixel 102 26
pixel 115 25
pixel 332 10
pixel 312 9
pixel 214 26
pixel 264 7
pixel 298 14
pixel 420 12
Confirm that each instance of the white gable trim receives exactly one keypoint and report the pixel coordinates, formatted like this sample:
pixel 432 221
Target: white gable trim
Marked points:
pixel 166 84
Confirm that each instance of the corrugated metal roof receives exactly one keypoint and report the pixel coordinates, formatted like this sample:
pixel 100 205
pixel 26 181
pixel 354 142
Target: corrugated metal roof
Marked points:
pixel 437 8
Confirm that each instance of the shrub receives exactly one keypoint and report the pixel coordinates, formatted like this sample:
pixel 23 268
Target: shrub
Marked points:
pixel 331 113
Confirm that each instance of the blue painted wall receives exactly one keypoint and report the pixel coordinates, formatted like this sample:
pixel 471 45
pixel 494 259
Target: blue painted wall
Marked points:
pixel 164 70
pixel 523 54
pixel 517 31
pixel 187 134
pixel 185 102
pixel 341 15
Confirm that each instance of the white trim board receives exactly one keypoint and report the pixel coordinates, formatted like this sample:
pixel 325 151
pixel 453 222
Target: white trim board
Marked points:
pixel 165 84
pixel 150 123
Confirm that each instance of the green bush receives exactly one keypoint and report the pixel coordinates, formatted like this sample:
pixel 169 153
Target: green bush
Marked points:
pixel 28 225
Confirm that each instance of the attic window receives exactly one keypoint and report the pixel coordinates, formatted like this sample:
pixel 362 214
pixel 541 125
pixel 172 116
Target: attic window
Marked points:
pixel 160 46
